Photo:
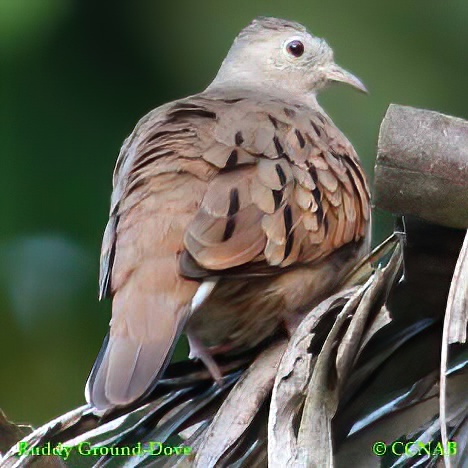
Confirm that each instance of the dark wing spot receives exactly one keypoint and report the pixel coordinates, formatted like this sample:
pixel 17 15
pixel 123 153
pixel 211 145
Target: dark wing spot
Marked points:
pixel 232 160
pixel 316 193
pixel 335 155
pixel 288 219
pixel 281 174
pixel 278 147
pixel 233 202
pixel 355 169
pixel 312 172
pixel 320 216
pixel 278 198
pixel 239 139
pixel 316 128
pixel 289 245
pixel 229 230
pixel 321 118
pixel 233 209
pixel 273 121
pixel 289 234
pixel 300 138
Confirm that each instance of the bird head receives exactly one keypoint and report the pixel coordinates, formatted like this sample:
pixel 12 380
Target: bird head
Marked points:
pixel 272 53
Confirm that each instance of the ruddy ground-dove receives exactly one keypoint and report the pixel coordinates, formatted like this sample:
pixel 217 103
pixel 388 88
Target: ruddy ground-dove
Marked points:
pixel 233 212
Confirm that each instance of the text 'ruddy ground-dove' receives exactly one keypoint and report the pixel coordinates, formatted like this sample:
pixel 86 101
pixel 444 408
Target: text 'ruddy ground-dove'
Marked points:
pixel 233 211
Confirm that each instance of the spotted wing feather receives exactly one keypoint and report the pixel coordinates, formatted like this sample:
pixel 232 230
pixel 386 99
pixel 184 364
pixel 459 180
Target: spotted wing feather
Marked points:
pixel 211 186
pixel 302 197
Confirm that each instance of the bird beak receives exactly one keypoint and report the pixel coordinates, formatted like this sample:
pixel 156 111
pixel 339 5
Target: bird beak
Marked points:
pixel 336 73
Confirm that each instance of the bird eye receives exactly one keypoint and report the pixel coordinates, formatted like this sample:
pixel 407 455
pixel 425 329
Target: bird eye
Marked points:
pixel 295 48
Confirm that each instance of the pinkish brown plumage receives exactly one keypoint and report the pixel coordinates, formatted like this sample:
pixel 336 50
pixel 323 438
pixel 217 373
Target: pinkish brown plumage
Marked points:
pixel 247 189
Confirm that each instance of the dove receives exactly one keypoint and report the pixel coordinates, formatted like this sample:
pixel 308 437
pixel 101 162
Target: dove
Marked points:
pixel 233 212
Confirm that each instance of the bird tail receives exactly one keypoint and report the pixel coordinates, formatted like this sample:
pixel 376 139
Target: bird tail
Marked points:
pixel 134 354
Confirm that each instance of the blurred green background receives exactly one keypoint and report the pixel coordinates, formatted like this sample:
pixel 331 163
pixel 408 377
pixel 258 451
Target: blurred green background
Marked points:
pixel 75 77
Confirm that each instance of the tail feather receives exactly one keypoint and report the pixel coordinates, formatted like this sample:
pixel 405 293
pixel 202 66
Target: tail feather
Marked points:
pixel 123 383
pixel 144 330
pixel 125 371
pixel 94 390
pixel 139 346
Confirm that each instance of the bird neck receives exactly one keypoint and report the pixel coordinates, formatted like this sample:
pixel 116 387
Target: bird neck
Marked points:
pixel 246 88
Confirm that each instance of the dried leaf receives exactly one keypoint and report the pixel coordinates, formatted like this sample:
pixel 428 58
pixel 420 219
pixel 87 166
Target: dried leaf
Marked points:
pixel 457 302
pixel 455 328
pixel 240 407
pixel 362 271
pixel 419 421
pixel 292 379
pixel 314 442
pixel 373 291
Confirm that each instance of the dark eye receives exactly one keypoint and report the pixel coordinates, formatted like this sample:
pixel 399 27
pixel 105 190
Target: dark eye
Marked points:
pixel 295 48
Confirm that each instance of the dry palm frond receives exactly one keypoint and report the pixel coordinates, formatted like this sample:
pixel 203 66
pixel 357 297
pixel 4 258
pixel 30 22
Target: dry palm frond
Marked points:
pixel 363 366
pixel 455 329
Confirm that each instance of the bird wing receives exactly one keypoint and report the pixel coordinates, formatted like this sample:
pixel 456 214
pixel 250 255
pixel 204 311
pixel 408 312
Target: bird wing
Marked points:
pixel 158 184
pixel 206 186
pixel 290 189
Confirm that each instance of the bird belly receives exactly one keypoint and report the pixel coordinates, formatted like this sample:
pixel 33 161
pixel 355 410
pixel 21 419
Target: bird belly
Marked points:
pixel 240 313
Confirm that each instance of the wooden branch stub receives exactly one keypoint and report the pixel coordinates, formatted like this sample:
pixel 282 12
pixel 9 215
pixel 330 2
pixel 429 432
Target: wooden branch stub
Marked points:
pixel 422 166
